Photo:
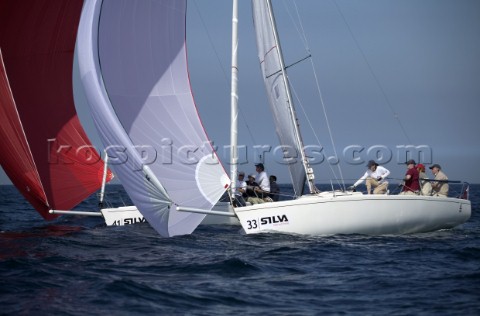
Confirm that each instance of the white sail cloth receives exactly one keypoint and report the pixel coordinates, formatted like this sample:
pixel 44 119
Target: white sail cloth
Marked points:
pixel 280 103
pixel 133 67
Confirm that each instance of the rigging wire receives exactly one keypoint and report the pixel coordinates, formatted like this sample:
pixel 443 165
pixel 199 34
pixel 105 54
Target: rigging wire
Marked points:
pixel 227 82
pixel 395 114
pixel 314 133
pixel 301 31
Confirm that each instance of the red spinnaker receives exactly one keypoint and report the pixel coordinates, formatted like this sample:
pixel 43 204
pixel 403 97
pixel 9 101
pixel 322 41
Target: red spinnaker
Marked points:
pixel 43 148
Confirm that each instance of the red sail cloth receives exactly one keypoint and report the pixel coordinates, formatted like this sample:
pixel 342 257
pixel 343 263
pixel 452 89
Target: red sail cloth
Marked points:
pixel 15 155
pixel 37 40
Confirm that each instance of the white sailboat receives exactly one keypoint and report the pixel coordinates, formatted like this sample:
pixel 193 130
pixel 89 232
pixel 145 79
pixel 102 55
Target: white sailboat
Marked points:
pixel 138 90
pixel 139 94
pixel 118 216
pixel 325 213
pixel 129 214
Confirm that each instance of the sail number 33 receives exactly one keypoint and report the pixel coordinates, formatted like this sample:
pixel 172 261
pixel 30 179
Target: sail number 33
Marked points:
pixel 268 220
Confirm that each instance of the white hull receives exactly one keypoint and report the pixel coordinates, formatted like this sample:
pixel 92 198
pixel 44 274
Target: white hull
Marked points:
pixel 128 215
pixel 326 214
pixel 120 216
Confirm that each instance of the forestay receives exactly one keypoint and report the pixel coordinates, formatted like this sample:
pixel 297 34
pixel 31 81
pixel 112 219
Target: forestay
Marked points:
pixel 278 95
pixel 133 65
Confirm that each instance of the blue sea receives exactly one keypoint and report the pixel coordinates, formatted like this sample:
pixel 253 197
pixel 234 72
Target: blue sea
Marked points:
pixel 77 266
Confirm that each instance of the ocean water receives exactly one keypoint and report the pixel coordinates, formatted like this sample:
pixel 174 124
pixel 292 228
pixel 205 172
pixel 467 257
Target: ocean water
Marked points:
pixel 77 266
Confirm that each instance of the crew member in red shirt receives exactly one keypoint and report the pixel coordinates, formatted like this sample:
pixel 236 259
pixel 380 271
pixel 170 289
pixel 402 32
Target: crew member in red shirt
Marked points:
pixel 411 185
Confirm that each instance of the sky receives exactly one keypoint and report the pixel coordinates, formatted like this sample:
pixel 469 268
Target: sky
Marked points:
pixel 391 74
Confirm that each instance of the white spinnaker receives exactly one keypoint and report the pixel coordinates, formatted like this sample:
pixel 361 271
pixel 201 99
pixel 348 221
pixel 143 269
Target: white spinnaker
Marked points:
pixel 133 66
pixel 275 85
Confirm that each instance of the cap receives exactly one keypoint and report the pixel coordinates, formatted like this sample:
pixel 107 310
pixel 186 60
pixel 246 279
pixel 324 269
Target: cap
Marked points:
pixel 241 173
pixel 436 166
pixel 372 163
pixel 251 176
pixel 410 162
pixel 260 165
pixel 421 166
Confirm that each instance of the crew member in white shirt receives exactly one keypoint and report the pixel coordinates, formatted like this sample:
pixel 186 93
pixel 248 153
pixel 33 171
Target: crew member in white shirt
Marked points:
pixel 262 180
pixel 240 189
pixel 374 177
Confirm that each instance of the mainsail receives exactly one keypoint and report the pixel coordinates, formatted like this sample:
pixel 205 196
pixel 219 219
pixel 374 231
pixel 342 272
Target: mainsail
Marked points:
pixel 133 67
pixel 43 148
pixel 277 89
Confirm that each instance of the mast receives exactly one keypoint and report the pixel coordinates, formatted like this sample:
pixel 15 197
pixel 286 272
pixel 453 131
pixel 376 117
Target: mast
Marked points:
pixel 104 180
pixel 234 103
pixel 298 136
